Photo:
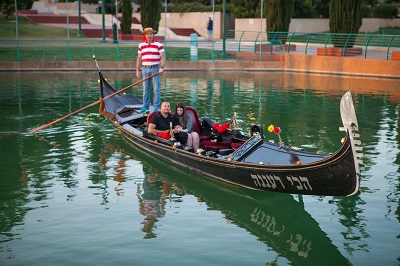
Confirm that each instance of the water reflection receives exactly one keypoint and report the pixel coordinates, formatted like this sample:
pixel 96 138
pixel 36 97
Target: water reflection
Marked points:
pixel 277 220
pixel 152 196
pixel 119 169
pixel 351 209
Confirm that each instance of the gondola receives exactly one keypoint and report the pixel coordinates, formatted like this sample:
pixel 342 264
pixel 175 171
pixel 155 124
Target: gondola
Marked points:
pixel 248 160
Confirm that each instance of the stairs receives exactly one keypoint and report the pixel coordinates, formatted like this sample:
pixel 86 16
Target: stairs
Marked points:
pixel 184 31
pixel 134 20
pixel 97 32
pixel 55 19
pixel 27 12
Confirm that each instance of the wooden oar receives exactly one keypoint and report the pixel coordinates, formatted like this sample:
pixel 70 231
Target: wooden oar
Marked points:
pixel 90 105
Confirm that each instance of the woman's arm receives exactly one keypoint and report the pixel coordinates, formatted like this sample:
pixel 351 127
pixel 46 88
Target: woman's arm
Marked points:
pixel 189 123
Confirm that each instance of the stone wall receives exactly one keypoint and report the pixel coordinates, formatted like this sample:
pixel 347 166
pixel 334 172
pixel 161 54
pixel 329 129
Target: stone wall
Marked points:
pixel 61 8
pixel 315 25
pixel 198 21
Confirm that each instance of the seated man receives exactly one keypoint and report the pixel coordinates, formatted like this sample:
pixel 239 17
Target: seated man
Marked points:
pixel 161 122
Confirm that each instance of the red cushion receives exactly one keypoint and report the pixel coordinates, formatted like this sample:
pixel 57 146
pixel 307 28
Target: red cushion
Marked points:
pixel 209 145
pixel 195 118
pixel 204 137
pixel 236 145
pixel 151 115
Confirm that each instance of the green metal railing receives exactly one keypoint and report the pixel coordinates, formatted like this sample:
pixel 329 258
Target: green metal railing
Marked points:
pixel 83 50
pixel 377 46
pixel 362 45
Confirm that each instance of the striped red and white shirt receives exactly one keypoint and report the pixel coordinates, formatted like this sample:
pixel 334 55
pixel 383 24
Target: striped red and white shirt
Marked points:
pixel 151 52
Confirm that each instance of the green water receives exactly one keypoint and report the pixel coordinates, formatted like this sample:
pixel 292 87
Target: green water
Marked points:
pixel 78 194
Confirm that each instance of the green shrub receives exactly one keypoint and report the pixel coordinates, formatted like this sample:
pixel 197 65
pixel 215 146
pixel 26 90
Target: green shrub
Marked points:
pixel 366 11
pixel 188 7
pixel 197 7
pixel 385 11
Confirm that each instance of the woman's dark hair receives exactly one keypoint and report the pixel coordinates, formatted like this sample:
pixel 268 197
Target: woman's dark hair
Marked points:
pixel 183 106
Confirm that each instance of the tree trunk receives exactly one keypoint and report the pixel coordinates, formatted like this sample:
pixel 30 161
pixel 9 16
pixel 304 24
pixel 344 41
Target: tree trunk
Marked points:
pixel 344 20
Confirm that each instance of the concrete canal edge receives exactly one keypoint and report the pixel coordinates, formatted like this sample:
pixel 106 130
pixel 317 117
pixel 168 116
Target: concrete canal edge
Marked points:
pixel 287 63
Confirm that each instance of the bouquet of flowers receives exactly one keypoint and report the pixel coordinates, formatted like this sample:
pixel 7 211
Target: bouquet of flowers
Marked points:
pixel 277 131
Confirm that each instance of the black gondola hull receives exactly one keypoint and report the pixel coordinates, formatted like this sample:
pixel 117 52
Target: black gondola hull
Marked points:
pixel 331 177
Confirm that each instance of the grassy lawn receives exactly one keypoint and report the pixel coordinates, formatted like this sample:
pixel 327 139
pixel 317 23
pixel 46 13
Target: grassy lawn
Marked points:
pixel 62 52
pixel 29 31
pixel 46 43
pixel 389 31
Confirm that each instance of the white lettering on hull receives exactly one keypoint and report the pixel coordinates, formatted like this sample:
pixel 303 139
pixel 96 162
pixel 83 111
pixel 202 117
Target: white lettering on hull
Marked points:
pixel 273 181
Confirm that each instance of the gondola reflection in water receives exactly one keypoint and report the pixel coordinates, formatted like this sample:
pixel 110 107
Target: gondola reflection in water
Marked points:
pixel 275 219
pixel 246 161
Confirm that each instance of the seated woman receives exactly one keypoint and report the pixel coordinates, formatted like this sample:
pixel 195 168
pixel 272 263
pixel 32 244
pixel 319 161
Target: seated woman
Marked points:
pixel 186 122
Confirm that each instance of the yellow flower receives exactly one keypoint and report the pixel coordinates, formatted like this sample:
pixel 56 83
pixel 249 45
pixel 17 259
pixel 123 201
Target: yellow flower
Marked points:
pixel 271 128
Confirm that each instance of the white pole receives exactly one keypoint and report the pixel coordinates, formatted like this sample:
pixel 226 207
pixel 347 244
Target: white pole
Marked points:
pixel 116 16
pixel 69 50
pixel 165 18
pixel 16 29
pixel 261 17
pixel 16 20
pixel 67 20
pixel 212 36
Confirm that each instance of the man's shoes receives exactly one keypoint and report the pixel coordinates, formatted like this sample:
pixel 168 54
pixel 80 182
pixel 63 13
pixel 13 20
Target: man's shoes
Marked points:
pixel 156 109
pixel 144 111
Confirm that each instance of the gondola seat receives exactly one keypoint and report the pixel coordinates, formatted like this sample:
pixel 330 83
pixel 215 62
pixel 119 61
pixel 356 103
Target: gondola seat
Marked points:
pixel 196 126
pixel 151 115
pixel 210 145
pixel 236 145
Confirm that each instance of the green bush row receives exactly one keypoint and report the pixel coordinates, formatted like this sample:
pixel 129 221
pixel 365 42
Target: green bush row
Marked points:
pixel 379 11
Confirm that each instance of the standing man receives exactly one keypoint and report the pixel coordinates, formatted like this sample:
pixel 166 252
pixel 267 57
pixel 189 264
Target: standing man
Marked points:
pixel 151 59
pixel 210 28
